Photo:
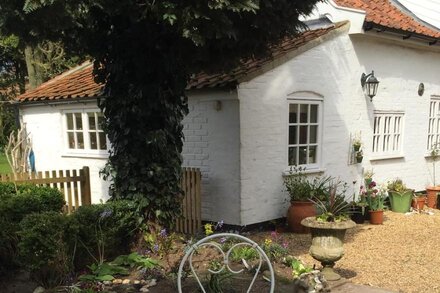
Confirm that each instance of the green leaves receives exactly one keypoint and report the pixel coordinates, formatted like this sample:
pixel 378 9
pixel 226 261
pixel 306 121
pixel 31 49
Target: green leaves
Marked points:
pixel 145 52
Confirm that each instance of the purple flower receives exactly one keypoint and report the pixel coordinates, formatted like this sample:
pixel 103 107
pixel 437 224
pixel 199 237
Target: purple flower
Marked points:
pixel 285 244
pixel 106 214
pixel 155 248
pixel 163 233
pixel 219 225
pixel 223 240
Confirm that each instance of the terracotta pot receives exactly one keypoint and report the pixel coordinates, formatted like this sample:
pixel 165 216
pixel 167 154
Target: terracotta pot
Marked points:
pixel 431 197
pixel 376 217
pixel 298 211
pixel 418 203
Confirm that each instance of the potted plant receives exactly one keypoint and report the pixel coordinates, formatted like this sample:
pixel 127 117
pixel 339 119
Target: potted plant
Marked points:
pixel 432 191
pixel 359 156
pixel 376 198
pixel 301 189
pixel 357 144
pixel 400 196
pixel 358 206
pixel 328 231
pixel 418 201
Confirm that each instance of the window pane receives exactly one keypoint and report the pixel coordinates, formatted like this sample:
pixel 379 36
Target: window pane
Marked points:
pixel 292 135
pixel 302 155
pixel 71 140
pixel 92 122
pixel 80 140
pixel 313 113
pixel 293 113
pixel 100 120
pixel 313 133
pixel 69 118
pixel 303 113
pixel 102 141
pixel 292 156
pixel 312 154
pixel 93 142
pixel 78 121
pixel 303 134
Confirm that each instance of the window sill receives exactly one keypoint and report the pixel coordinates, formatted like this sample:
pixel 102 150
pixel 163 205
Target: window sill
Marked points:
pixel 85 155
pixel 429 156
pixel 387 157
pixel 306 171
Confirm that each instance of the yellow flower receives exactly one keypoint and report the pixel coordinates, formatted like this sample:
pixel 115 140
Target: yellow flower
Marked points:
pixel 208 229
pixel 267 242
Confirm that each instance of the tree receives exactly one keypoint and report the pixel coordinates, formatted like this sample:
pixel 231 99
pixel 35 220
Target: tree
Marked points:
pixel 146 51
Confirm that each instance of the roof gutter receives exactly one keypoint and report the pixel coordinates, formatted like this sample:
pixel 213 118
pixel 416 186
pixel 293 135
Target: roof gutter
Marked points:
pixel 57 102
pixel 369 26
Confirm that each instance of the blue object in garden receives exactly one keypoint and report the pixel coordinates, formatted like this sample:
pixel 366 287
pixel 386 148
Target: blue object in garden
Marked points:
pixel 32 160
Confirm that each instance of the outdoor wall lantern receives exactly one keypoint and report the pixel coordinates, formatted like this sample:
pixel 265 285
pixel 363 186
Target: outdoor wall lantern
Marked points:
pixel 369 83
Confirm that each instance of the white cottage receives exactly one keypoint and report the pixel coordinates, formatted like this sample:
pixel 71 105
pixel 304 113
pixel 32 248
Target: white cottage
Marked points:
pixel 302 106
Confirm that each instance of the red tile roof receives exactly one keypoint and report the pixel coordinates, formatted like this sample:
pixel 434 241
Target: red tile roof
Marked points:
pixel 79 82
pixel 385 14
pixel 204 80
pixel 75 83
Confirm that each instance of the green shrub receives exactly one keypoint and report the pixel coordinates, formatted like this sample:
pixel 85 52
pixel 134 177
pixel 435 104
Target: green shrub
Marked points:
pixel 16 202
pixel 8 246
pixel 105 230
pixel 27 199
pixel 46 247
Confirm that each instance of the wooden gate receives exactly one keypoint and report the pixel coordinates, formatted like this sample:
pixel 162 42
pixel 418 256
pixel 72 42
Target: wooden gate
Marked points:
pixel 191 220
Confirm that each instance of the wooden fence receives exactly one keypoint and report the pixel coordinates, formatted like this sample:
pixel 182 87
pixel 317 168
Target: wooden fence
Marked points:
pixel 73 184
pixel 191 220
pixel 76 189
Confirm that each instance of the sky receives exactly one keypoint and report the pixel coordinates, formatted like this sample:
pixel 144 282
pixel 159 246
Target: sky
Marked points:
pixel 427 10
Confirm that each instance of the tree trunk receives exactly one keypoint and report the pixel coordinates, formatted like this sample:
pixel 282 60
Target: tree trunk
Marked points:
pixel 35 72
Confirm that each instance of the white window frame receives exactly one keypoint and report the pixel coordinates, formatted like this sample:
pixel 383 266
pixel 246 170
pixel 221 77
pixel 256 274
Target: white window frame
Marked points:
pixel 306 101
pixel 433 137
pixel 86 151
pixel 388 134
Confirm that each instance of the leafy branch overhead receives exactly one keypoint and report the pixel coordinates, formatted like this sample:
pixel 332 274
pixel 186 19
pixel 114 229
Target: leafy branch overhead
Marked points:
pixel 145 52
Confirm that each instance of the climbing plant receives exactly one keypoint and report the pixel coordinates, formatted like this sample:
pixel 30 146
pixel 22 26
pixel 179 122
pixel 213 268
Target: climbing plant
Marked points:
pixel 145 52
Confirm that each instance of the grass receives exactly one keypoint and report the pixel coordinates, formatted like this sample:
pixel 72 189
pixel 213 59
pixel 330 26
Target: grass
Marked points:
pixel 4 166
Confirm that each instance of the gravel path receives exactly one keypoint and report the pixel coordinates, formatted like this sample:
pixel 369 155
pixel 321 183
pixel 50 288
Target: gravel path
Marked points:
pixel 402 255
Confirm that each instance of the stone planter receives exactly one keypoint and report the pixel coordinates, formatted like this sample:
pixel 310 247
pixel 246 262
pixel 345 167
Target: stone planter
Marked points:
pixel 327 243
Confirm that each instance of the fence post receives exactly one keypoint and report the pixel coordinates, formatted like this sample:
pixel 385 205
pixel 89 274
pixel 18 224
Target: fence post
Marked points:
pixel 86 198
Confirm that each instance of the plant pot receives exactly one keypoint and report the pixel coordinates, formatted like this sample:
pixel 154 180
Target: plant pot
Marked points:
pixel 298 211
pixel 418 203
pixel 376 217
pixel 431 197
pixel 356 148
pixel 358 214
pixel 359 159
pixel 400 201
pixel 327 243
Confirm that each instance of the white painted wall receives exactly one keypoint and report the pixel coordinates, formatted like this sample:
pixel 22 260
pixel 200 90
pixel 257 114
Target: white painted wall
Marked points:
pixel 44 124
pixel 333 70
pixel 212 143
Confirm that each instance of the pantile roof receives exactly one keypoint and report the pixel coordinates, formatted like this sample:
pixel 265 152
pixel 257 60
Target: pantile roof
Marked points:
pixel 386 14
pixel 204 80
pixel 79 82
pixel 75 83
